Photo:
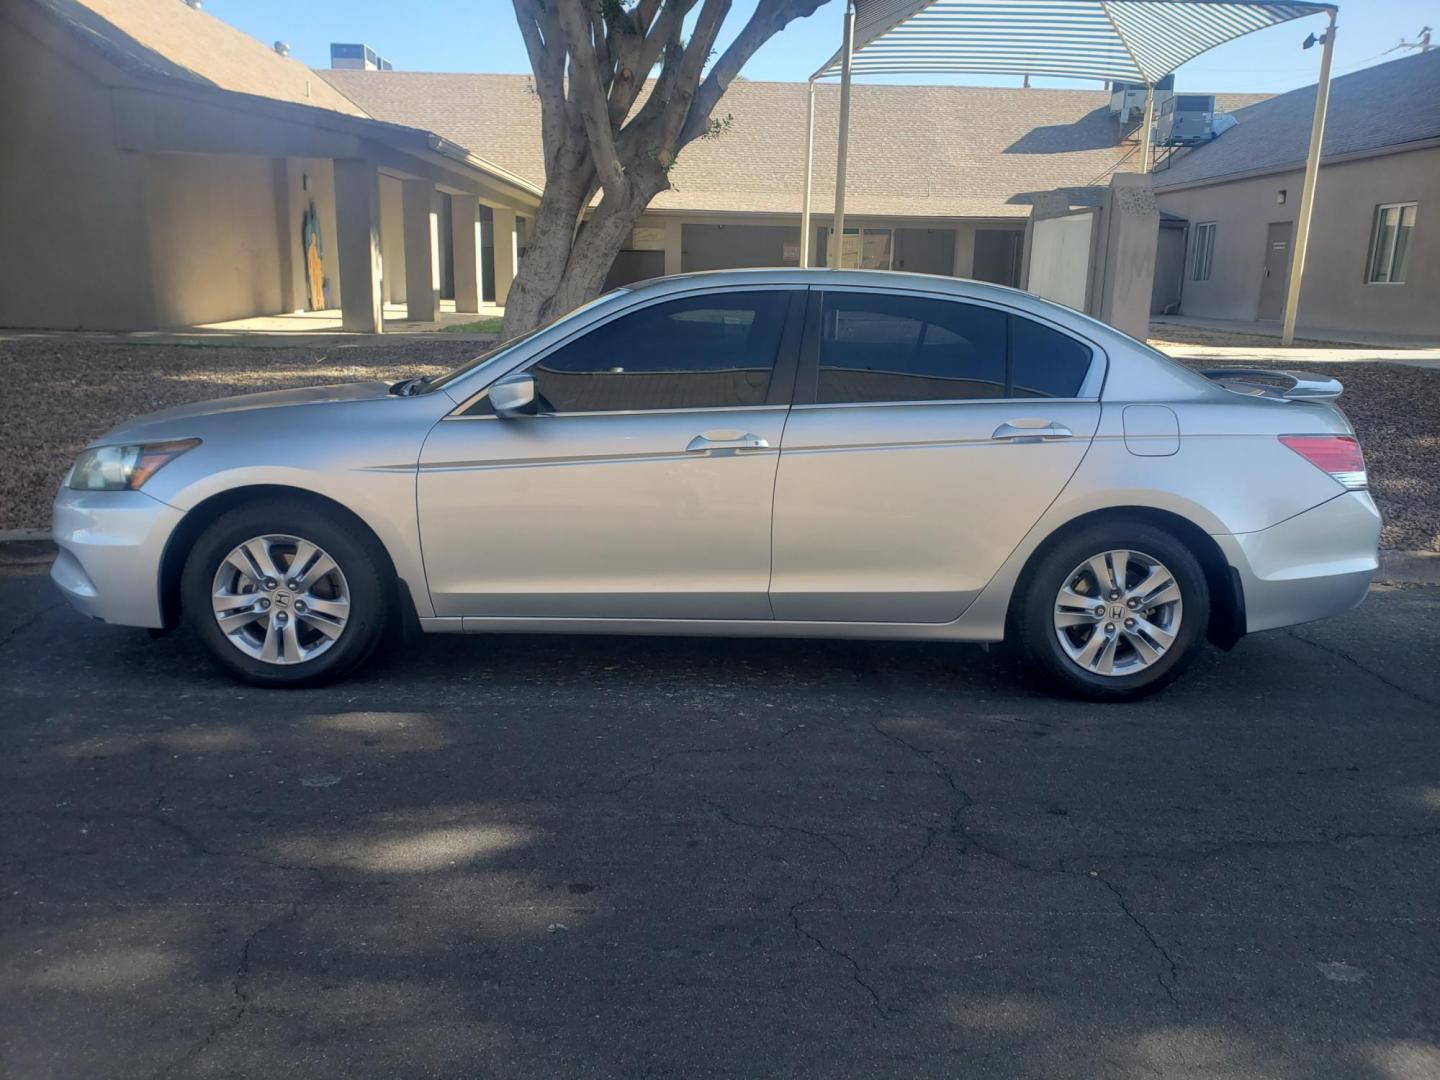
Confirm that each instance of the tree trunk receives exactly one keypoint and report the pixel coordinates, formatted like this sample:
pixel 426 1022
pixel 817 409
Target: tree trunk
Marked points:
pixel 590 63
pixel 563 269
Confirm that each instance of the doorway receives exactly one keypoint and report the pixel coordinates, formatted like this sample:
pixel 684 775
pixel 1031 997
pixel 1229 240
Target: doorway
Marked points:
pixel 997 256
pixel 1276 272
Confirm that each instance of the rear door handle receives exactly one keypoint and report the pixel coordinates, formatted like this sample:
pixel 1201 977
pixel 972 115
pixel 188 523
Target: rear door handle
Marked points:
pixel 725 440
pixel 1021 432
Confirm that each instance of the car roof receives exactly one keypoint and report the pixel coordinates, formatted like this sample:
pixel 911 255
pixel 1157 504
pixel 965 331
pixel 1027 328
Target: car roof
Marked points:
pixel 795 275
pixel 801 277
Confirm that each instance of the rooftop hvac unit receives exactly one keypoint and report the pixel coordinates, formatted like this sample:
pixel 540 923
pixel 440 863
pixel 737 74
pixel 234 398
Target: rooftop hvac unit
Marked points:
pixel 1127 101
pixel 1186 120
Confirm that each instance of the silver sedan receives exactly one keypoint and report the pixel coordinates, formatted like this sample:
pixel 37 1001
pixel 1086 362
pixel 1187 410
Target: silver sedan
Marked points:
pixel 770 452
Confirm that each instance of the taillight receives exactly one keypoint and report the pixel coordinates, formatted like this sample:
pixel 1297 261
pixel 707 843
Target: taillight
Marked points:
pixel 1338 455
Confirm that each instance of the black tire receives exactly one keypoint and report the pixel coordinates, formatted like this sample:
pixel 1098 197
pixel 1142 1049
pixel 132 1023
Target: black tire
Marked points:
pixel 366 571
pixel 1033 615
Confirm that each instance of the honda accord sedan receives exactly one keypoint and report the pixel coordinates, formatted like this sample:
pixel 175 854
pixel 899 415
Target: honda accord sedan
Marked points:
pixel 771 452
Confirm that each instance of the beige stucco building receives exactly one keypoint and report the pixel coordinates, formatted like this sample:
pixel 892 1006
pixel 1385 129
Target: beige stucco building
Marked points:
pixel 941 179
pixel 1373 264
pixel 160 168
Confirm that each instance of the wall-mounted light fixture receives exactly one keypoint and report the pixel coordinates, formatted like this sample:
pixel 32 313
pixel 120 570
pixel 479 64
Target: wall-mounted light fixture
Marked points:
pixel 1280 197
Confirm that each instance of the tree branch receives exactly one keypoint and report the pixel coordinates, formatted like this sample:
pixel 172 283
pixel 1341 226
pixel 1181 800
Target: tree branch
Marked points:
pixel 547 60
pixel 770 17
pixel 587 94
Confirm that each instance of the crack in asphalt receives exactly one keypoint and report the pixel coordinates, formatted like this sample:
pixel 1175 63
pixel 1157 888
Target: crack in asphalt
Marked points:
pixel 931 832
pixel 729 815
pixel 1155 943
pixel 237 988
pixel 1414 695
pixel 29 622
pixel 969 841
pixel 857 973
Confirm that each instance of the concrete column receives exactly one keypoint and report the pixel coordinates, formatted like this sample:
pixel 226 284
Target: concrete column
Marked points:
pixel 422 250
pixel 964 251
pixel 507 253
pixel 392 240
pixel 357 244
pixel 465 237
pixel 287 226
pixel 674 246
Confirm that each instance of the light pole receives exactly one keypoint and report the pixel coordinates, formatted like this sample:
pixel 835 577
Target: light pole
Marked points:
pixel 1312 176
pixel 809 176
pixel 837 247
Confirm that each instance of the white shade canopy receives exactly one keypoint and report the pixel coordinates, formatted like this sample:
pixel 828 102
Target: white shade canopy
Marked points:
pixel 1137 41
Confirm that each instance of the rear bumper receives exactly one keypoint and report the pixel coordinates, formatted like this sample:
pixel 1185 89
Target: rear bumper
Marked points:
pixel 111 544
pixel 1312 565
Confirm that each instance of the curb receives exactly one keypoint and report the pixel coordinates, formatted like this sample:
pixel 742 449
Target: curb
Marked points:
pixel 1397 567
pixel 1409 568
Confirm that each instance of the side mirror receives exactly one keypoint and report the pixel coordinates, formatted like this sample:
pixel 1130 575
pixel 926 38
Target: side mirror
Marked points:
pixel 514 395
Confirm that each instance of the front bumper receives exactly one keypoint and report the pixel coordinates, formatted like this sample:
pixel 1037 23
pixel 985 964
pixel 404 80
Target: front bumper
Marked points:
pixel 111 546
pixel 1309 566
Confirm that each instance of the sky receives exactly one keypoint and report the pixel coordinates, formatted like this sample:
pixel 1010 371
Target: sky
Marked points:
pixel 481 35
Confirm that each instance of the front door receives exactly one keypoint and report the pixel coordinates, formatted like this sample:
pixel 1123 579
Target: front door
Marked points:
pixel 641 489
pixel 1276 277
pixel 928 437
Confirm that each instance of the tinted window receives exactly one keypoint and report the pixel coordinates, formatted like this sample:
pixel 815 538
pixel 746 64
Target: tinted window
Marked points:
pixel 1045 363
pixel 713 351
pixel 877 347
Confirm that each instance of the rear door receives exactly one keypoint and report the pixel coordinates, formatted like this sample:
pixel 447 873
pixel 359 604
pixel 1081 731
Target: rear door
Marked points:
pixel 1276 275
pixel 929 434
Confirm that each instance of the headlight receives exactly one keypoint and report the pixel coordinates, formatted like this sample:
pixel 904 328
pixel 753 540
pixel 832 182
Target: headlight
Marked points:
pixel 124 468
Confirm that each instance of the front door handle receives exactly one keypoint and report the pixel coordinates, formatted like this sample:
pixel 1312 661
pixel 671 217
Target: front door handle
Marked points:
pixel 1030 432
pixel 726 440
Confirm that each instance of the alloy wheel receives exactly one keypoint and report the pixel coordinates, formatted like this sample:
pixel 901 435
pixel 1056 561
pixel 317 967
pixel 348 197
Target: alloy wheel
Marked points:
pixel 1118 612
pixel 280 599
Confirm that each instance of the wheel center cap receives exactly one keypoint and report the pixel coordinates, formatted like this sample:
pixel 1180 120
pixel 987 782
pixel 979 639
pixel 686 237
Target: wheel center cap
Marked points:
pixel 282 598
pixel 1117 612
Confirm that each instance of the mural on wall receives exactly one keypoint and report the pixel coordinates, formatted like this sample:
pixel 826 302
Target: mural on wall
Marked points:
pixel 315 283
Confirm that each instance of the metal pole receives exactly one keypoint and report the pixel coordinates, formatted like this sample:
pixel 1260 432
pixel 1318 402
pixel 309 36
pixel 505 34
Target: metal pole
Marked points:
pixel 837 244
pixel 1148 122
pixel 1307 193
pixel 805 229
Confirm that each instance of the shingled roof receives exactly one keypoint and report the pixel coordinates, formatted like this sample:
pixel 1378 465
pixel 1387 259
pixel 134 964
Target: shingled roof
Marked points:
pixel 1386 106
pixel 171 39
pixel 915 151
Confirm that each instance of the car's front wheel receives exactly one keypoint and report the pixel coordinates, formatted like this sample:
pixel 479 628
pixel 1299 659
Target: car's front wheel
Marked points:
pixel 285 594
pixel 1114 612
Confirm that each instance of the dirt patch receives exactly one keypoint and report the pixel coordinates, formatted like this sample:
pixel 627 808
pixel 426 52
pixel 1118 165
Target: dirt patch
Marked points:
pixel 62 392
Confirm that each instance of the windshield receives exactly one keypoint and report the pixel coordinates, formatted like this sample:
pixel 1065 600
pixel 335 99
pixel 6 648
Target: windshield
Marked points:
pixel 504 346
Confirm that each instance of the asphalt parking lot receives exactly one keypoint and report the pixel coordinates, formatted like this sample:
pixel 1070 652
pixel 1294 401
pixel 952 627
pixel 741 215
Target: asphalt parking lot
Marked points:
pixel 555 857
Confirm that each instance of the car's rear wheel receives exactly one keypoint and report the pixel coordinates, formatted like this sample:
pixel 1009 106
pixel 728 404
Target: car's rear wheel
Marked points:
pixel 285 594
pixel 1115 612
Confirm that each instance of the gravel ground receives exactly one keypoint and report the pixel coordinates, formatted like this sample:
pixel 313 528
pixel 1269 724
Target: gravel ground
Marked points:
pixel 61 392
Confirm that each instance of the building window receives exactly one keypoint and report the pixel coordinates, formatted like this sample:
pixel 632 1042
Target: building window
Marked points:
pixel 1390 243
pixel 1203 253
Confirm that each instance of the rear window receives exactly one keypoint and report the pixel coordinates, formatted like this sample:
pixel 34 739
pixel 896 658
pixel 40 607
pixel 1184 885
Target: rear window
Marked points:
pixel 893 347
